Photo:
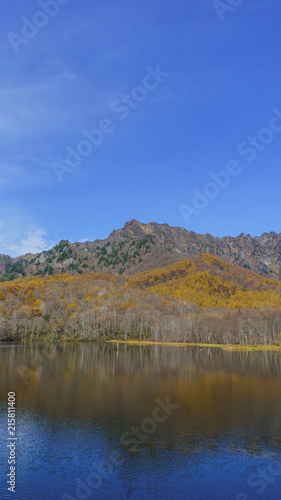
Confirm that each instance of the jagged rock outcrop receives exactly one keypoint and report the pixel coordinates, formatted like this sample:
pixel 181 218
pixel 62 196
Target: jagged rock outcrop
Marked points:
pixel 141 247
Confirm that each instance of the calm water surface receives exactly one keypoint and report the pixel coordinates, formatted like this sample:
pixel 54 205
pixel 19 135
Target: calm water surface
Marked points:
pixel 78 404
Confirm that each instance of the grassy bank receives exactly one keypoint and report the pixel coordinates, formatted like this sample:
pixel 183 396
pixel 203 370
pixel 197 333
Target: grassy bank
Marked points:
pixel 225 347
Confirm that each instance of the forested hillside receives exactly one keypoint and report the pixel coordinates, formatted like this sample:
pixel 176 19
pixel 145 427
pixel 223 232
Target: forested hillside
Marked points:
pixel 203 299
pixel 210 282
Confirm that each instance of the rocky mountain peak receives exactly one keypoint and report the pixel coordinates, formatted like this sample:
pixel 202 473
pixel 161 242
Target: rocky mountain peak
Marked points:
pixel 141 247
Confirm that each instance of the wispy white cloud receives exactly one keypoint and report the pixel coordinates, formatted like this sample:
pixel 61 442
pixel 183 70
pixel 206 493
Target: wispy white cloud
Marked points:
pixel 91 238
pixel 33 241
pixel 25 170
pixel 19 235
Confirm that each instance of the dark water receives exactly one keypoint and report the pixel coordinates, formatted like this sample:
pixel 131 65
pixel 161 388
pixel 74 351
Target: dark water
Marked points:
pixel 78 404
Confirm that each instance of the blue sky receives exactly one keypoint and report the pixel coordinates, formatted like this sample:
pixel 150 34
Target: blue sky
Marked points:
pixel 221 83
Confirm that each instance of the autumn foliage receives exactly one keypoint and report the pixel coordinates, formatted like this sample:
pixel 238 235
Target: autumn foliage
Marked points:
pixel 211 282
pixel 203 299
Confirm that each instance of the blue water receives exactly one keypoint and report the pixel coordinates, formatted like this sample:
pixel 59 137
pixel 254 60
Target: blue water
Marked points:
pixel 222 442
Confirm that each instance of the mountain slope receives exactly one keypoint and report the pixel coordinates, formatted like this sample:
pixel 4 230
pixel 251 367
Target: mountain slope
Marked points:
pixel 139 247
pixel 199 299
pixel 207 281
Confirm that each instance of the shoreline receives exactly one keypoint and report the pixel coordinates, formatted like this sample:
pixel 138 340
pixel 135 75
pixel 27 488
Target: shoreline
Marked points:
pixel 225 347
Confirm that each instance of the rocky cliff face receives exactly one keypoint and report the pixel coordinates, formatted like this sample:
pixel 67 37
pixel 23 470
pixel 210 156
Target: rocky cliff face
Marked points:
pixel 141 247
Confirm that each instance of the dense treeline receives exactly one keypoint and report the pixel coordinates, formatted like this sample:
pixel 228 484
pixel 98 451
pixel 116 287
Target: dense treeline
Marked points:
pixel 200 300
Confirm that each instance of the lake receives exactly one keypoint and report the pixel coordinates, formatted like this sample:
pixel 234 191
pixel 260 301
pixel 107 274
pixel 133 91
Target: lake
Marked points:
pixel 101 421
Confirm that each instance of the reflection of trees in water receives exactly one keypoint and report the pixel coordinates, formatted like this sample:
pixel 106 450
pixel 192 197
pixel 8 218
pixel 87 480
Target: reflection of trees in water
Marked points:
pixel 119 384
pixel 122 359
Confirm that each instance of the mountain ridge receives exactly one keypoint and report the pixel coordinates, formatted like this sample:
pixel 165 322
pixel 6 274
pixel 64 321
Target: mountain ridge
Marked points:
pixel 139 247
